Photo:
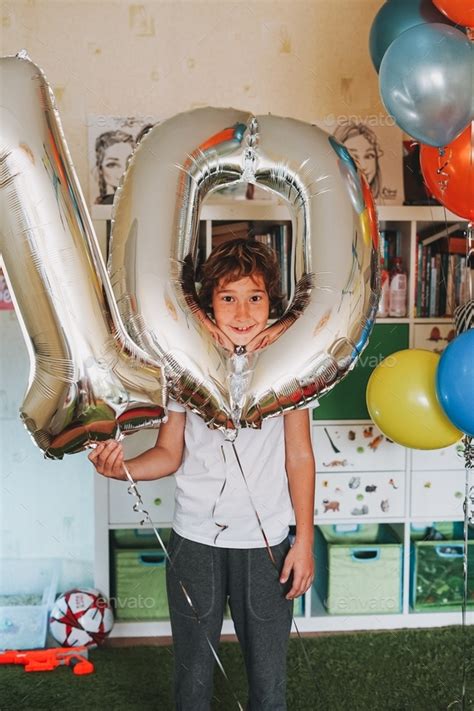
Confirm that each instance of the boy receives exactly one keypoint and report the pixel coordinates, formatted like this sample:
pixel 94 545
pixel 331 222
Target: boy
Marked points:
pixel 217 545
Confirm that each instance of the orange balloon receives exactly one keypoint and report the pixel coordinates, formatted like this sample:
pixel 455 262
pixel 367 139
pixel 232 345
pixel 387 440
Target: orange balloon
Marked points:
pixel 450 176
pixel 459 11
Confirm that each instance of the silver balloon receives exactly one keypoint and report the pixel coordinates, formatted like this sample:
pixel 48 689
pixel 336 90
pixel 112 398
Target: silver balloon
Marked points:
pixel 86 378
pixel 334 257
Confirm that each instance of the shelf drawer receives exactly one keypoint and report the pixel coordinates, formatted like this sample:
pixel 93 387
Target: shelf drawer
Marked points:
pixel 366 495
pixel 158 500
pixel 361 448
pixel 157 495
pixel 432 459
pixel 437 494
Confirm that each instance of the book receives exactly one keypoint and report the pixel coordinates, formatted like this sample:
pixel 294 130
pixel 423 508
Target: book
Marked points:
pixel 440 279
pixel 433 288
pixel 418 281
pixel 390 246
pixel 228 231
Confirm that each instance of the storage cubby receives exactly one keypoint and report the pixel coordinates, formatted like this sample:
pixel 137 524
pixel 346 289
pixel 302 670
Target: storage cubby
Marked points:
pixel 436 569
pixel 359 571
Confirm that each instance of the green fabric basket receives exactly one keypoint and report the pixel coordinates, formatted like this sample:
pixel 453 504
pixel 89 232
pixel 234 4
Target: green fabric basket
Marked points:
pixel 360 578
pixel 437 583
pixel 351 533
pixel 138 537
pixel 140 584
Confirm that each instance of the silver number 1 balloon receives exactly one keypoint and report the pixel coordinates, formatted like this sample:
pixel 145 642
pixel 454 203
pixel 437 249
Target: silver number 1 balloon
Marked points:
pixel 87 377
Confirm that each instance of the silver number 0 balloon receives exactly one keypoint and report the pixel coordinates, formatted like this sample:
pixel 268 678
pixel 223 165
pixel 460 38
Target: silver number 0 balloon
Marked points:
pixel 334 258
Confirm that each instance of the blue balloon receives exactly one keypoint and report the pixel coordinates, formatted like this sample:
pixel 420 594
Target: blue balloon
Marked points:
pixel 395 17
pixel 426 82
pixel 455 382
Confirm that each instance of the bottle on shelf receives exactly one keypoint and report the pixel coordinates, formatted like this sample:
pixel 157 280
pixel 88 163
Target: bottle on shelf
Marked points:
pixel 384 302
pixel 398 290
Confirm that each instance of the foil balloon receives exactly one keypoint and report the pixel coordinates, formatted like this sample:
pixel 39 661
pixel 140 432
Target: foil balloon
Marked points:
pixel 426 82
pixel 334 261
pixel 86 380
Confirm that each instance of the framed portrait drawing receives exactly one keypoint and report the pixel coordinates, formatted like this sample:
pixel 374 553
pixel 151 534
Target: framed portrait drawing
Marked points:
pixel 375 143
pixel 111 141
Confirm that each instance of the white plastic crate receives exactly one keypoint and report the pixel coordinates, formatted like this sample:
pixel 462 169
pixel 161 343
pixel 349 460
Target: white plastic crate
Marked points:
pixel 27 593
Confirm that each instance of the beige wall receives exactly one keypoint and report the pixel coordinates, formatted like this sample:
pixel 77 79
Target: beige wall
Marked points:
pixel 303 58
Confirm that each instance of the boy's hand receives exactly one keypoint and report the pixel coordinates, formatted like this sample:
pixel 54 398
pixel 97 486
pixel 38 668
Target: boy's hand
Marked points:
pixel 214 330
pixel 107 458
pixel 300 562
pixel 218 335
pixel 267 336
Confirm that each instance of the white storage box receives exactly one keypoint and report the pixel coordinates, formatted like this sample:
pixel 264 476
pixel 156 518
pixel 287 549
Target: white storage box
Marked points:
pixel 27 593
pixel 355 448
pixel 158 500
pixel 451 457
pixel 360 495
pixel 437 494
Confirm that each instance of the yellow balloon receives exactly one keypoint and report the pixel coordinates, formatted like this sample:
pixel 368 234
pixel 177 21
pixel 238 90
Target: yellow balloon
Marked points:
pixel 402 402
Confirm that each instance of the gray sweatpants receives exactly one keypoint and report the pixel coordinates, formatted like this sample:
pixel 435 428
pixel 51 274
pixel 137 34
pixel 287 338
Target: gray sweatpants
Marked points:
pixel 261 614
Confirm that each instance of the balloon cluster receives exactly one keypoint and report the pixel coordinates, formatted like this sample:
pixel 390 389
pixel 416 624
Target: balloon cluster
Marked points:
pixel 108 346
pixel 426 67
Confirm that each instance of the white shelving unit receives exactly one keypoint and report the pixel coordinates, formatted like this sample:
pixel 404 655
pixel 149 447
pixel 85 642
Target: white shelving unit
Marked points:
pixel 411 469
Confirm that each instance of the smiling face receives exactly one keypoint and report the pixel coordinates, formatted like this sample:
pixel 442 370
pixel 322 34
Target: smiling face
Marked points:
pixel 241 308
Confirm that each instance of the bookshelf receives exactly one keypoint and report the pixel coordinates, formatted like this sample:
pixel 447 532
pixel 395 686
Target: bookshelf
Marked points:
pixel 417 487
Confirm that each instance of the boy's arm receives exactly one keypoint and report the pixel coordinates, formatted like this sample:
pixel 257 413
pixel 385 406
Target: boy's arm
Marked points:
pixel 300 468
pixel 161 460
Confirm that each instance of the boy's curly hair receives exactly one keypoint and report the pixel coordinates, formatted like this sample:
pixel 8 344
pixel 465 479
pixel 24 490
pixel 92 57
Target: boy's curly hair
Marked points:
pixel 235 260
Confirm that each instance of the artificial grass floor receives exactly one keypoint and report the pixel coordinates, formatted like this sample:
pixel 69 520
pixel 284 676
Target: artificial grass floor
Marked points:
pixel 415 670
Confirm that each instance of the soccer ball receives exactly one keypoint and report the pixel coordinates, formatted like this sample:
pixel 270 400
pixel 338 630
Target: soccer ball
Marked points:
pixel 81 617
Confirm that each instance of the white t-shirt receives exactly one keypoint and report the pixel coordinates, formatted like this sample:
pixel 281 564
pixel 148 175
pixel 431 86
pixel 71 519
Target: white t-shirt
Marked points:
pixel 212 502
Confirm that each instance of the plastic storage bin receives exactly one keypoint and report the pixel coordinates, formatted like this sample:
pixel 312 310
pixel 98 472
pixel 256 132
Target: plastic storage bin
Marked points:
pixel 437 583
pixel 27 593
pixel 140 584
pixel 360 578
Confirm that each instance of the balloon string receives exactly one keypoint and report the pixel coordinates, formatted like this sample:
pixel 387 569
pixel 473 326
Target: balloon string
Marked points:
pixel 272 558
pixel 468 518
pixel 138 507
pixel 465 565
pixel 223 526
pixel 262 530
pixel 470 260
pixel 443 162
